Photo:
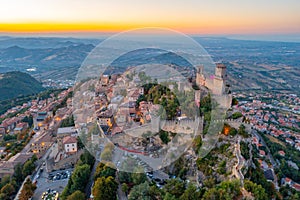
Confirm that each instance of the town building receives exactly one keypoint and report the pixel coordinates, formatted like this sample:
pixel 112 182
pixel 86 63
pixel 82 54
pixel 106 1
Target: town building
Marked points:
pixel 63 132
pixel 70 144
pixel 42 144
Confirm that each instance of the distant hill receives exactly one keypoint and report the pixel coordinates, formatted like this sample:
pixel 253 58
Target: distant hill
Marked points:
pixel 44 42
pixel 14 84
pixel 16 58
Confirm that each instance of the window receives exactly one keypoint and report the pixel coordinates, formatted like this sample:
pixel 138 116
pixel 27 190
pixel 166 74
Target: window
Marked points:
pixel 73 149
pixel 67 145
pixel 73 145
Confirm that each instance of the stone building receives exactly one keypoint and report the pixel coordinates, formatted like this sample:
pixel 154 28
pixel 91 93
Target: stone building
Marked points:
pixel 217 84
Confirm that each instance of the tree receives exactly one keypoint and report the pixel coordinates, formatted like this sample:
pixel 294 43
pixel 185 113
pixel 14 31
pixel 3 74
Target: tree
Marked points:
pixel 80 177
pixel 69 121
pixel 232 131
pixel 27 190
pixel 175 187
pixel 103 170
pixel 3 196
pixel 5 179
pixel 234 102
pixel 28 168
pixel 191 193
pixel 77 195
pixel 210 182
pixel 237 115
pixel 124 177
pixel 138 176
pixel 197 143
pixel 8 189
pixel 169 196
pixel 66 192
pixel 164 136
pixel 106 155
pixel 242 131
pixel 18 175
pixel 29 120
pixel 105 189
pixel 125 188
pixel 80 145
pixel 87 158
pixel 257 190
pixel 211 194
pixel 144 192
pixel 227 190
pixel 245 150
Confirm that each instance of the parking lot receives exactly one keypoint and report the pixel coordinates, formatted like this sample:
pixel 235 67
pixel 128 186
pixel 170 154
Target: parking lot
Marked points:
pixel 53 182
pixel 59 175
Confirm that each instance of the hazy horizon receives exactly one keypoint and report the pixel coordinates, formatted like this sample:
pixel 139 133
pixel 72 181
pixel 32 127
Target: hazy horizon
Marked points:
pixel 101 35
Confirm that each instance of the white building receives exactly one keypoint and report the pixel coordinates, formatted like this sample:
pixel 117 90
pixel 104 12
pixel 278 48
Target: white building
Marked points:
pixel 70 144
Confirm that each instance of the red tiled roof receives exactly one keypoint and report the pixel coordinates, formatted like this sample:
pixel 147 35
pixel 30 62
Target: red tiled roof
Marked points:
pixel 69 140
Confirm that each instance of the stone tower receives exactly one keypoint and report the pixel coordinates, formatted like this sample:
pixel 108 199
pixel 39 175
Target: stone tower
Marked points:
pixel 200 78
pixel 219 79
pixel 220 70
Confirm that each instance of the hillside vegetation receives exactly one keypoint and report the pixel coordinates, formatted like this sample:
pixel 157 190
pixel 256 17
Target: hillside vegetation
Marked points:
pixel 14 84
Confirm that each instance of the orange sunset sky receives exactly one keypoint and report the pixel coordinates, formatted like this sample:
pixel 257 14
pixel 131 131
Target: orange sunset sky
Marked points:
pixel 189 16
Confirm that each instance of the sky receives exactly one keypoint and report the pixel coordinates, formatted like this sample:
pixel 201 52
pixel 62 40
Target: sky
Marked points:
pixel 188 16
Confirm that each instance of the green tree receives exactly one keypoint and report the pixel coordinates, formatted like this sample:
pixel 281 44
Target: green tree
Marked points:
pixel 236 115
pixel 164 136
pixel 191 193
pixel 28 168
pixel 144 192
pixel 227 190
pixel 69 121
pixel 18 175
pixel 242 131
pixel 138 176
pixel 8 189
pixel 125 188
pixel 210 182
pixel 87 158
pixel 80 177
pixel 175 187
pixel 80 145
pixel 232 131
pixel 257 190
pixel 103 170
pixel 169 196
pixel 77 195
pixel 29 120
pixel 106 155
pixel 105 189
pixel 124 177
pixel 4 180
